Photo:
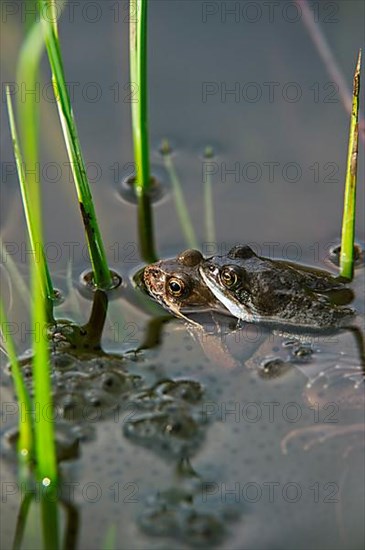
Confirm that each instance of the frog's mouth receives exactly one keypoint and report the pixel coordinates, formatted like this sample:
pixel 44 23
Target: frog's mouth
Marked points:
pixel 229 301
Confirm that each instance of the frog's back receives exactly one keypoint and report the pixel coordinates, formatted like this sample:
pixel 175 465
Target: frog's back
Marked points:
pixel 284 292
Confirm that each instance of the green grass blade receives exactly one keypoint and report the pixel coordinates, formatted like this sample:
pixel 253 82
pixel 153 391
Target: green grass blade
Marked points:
pixel 29 15
pixel 181 208
pixel 22 521
pixel 30 199
pixel 44 437
pixel 102 277
pixel 44 426
pixel 44 429
pixel 35 511
pixel 44 441
pixel 28 116
pixel 138 75
pixel 49 518
pixel 25 442
pixel 139 107
pixel 28 104
pixel 44 434
pixel 349 210
pixel 209 202
pixel 110 542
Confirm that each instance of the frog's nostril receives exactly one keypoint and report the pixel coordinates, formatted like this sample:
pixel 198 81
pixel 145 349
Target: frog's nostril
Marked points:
pixel 150 272
pixel 149 275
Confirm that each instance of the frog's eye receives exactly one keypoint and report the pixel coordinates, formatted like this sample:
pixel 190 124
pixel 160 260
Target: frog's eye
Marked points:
pixel 176 287
pixel 229 277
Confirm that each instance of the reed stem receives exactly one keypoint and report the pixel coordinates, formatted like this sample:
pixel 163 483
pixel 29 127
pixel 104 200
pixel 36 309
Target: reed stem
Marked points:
pixel 181 207
pixel 102 276
pixel 349 209
pixel 209 202
pixel 30 199
pixel 25 441
pixel 138 76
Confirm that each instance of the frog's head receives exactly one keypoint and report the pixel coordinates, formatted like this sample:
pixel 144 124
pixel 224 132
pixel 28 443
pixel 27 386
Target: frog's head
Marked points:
pixel 177 285
pixel 228 280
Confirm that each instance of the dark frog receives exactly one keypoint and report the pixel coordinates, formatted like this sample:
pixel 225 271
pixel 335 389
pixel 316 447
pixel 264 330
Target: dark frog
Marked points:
pixel 257 289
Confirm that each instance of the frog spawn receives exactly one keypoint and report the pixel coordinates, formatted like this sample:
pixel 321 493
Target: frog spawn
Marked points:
pixel 182 511
pixel 85 390
pixel 89 385
pixel 175 513
pixel 89 389
pixel 167 418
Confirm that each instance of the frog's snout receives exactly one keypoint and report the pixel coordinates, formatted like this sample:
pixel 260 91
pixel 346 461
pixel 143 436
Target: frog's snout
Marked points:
pixel 152 279
pixel 149 276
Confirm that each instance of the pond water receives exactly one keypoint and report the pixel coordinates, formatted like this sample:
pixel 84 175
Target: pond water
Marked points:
pixel 189 442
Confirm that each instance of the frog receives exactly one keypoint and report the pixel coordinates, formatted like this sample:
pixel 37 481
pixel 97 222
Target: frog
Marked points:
pixel 177 285
pixel 279 351
pixel 256 289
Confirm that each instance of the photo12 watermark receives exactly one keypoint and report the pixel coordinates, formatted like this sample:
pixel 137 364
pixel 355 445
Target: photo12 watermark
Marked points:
pixel 89 12
pixel 75 492
pixel 269 172
pixel 268 92
pixel 252 412
pixel 271 11
pixel 290 492
pixel 87 91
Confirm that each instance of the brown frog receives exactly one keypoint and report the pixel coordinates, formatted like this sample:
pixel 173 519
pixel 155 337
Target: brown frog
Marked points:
pixel 176 284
